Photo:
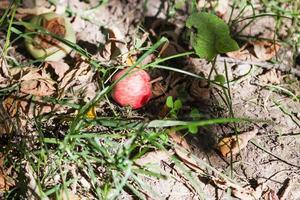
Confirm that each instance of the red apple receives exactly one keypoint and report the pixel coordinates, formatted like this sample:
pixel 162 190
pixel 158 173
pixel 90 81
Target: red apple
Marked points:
pixel 134 90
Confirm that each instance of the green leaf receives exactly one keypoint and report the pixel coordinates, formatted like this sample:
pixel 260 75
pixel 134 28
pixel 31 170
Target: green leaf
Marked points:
pixel 193 128
pixel 166 123
pixel 195 113
pixel 212 35
pixel 170 102
pixel 220 79
pixel 177 104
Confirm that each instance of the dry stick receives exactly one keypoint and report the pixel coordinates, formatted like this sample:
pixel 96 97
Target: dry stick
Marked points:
pixel 262 64
pixel 285 190
pixel 270 153
pixel 156 79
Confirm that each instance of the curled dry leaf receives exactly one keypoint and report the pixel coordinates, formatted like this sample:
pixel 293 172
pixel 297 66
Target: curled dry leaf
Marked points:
pixel 72 76
pixel 13 104
pixel 233 144
pixel 158 89
pixel 187 159
pixel 169 49
pixel 5 181
pixel 5 121
pixel 115 45
pixel 60 68
pixel 242 54
pixel 271 76
pixel 183 151
pixel 37 82
pixel 265 50
pixel 256 51
pixel 270 195
pixel 179 139
pixel 21 105
pixel 243 193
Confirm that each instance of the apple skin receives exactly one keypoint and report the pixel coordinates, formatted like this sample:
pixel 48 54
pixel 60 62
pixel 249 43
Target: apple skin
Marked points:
pixel 134 90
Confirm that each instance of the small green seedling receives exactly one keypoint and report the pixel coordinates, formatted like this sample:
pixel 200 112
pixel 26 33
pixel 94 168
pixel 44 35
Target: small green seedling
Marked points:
pixel 174 106
pixel 220 79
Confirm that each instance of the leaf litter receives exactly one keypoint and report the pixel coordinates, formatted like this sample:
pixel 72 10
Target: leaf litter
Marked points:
pixel 77 80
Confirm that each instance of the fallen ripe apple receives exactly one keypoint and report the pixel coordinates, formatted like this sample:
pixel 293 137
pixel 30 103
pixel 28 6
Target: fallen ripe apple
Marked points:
pixel 134 90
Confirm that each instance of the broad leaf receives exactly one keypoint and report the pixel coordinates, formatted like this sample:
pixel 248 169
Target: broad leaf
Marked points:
pixel 212 35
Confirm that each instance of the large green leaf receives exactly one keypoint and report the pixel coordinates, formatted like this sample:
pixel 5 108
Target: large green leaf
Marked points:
pixel 212 35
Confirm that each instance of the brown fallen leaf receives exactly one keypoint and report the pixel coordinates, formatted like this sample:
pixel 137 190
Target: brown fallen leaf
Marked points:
pixel 243 193
pixel 270 195
pixel 242 54
pixel 182 150
pixel 179 139
pixel 11 105
pixel 233 144
pixel 271 76
pixel 37 82
pixel 60 68
pixel 115 45
pixel 5 181
pixel 5 121
pixel 265 50
pixel 158 89
pixel 255 51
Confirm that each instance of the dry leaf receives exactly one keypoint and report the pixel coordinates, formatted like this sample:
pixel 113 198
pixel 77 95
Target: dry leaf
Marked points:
pixel 242 54
pixel 13 104
pixel 6 124
pixel 233 144
pixel 255 51
pixel 271 195
pixel 265 50
pixel 60 68
pixel 163 111
pixel 169 49
pixel 188 160
pixel 179 139
pixel 243 193
pixel 158 89
pixel 183 151
pixel 90 92
pixel 115 45
pixel 271 76
pixel 37 82
pixel 5 181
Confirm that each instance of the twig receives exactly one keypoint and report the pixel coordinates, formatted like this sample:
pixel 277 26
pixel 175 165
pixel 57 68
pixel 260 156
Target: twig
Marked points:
pixel 270 153
pixel 285 190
